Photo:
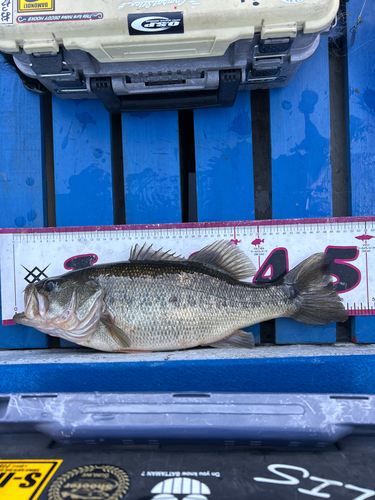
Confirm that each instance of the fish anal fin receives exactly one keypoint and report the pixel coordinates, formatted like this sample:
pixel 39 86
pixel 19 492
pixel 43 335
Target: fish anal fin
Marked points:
pixel 119 335
pixel 227 257
pixel 239 338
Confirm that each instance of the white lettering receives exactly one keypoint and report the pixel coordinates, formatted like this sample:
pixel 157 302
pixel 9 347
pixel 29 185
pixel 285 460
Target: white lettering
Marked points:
pixel 315 491
pixel 159 473
pixel 366 493
pixel 289 479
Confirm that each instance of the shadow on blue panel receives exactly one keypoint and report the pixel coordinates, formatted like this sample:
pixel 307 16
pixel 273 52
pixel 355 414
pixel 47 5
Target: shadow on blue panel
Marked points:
pixel 90 188
pixel 221 177
pixel 309 190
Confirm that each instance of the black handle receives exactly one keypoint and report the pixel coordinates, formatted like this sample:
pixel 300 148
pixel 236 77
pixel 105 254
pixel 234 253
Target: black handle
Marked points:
pixel 222 97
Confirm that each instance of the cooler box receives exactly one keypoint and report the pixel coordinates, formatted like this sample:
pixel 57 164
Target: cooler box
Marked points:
pixel 177 54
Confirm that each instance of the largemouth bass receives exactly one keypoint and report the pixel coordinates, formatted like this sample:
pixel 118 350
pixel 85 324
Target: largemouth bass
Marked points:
pixel 157 301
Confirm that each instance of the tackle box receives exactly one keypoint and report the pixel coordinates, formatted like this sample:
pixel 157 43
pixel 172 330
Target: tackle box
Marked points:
pixel 157 55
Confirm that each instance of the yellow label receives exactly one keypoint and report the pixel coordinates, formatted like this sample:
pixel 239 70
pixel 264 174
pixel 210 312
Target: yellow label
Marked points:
pixel 37 5
pixel 25 479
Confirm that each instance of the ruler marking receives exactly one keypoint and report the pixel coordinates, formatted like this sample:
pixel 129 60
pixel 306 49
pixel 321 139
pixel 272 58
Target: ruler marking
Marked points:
pixel 367 285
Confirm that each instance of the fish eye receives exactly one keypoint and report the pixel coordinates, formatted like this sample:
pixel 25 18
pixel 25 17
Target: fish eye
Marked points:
pixel 49 286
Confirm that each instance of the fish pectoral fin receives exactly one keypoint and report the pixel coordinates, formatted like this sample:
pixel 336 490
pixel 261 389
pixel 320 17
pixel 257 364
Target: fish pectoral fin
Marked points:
pixel 119 335
pixel 239 338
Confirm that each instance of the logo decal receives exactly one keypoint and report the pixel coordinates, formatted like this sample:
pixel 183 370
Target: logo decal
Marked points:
pixel 36 5
pixel 102 482
pixel 6 12
pixel 35 274
pixel 152 24
pixel 146 4
pixel 53 18
pixel 190 489
pixel 25 479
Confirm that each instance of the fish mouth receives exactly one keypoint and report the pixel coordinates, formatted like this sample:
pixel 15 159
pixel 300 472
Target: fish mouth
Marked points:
pixel 19 318
pixel 36 306
pixel 65 323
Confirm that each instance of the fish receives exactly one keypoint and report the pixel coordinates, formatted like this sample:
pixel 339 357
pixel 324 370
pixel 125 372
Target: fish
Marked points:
pixel 157 301
pixel 258 241
pixel 364 237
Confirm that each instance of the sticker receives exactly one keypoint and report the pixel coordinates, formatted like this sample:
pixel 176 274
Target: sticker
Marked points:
pixel 25 479
pixel 152 24
pixel 36 5
pixel 190 488
pixel 6 16
pixel 146 4
pixel 105 482
pixel 52 18
pixel 291 480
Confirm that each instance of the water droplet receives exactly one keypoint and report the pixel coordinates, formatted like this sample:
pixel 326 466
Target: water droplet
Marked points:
pixel 32 215
pixel 98 153
pixel 286 105
pixel 20 221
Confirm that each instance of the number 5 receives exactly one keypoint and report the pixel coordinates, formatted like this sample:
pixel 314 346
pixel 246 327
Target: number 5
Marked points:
pixel 348 276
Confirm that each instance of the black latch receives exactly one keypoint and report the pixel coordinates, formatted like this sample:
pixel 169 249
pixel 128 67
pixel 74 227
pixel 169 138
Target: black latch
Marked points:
pixel 230 80
pixel 70 86
pixel 102 88
pixel 47 64
pixel 274 45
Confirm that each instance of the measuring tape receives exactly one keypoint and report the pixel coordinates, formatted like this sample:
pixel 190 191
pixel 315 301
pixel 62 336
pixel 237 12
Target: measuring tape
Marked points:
pixel 274 246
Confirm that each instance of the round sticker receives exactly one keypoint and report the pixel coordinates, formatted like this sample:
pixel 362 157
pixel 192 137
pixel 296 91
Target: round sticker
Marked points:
pixel 99 482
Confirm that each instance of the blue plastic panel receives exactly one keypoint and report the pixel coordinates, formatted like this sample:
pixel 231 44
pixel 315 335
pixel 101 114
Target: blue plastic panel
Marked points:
pixel 83 170
pixel 317 374
pixel 21 183
pixel 151 167
pixel 361 121
pixel 83 166
pixel 224 162
pixel 301 168
pixel 224 165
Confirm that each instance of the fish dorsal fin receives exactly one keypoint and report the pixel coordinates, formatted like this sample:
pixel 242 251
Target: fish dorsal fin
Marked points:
pixel 226 256
pixel 146 252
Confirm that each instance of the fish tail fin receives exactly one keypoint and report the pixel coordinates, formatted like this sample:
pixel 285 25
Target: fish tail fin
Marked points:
pixel 315 300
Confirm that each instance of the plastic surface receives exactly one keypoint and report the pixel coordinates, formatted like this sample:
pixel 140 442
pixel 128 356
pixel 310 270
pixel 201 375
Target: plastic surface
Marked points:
pixel 113 31
pixel 311 420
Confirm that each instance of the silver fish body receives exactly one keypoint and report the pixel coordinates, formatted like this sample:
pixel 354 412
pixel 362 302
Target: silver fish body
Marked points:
pixel 176 306
pixel 156 303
